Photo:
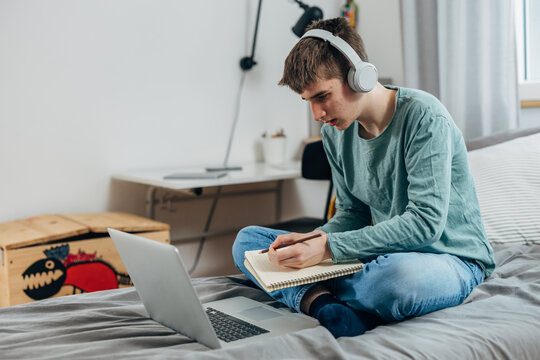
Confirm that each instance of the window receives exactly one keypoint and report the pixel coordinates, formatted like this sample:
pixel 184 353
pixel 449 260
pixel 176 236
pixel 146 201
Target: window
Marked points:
pixel 527 14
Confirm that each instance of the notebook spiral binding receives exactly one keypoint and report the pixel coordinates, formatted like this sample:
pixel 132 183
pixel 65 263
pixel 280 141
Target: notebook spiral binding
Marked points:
pixel 314 278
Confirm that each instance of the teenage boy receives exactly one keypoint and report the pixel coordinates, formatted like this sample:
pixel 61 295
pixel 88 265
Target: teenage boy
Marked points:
pixel 406 202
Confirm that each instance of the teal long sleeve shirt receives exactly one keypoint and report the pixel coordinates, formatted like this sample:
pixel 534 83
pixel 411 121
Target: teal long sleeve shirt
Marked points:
pixel 408 189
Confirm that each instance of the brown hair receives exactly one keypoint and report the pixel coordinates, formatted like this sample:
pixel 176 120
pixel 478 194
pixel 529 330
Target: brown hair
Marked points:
pixel 314 59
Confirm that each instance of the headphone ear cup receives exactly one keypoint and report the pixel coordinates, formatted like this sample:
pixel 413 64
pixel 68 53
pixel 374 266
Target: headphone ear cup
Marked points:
pixel 365 77
pixel 351 79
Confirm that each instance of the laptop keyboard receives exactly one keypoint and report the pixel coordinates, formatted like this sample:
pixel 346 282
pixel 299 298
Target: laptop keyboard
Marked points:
pixel 228 328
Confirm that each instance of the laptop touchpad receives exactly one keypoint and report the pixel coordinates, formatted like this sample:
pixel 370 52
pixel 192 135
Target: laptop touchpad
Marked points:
pixel 260 313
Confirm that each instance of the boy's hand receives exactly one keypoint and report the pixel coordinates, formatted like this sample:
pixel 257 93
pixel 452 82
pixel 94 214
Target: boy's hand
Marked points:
pixel 301 255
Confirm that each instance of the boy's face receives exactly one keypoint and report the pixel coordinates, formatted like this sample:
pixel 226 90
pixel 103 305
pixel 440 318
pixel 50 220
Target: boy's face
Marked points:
pixel 333 102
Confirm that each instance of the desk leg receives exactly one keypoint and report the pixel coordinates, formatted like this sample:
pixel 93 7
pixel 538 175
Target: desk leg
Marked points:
pixel 206 229
pixel 212 210
pixel 279 188
pixel 150 201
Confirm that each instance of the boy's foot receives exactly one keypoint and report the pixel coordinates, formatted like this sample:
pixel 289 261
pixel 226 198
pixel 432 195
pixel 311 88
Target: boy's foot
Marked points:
pixel 338 318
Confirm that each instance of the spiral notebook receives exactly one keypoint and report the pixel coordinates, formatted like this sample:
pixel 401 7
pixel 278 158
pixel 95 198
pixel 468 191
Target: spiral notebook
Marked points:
pixel 273 277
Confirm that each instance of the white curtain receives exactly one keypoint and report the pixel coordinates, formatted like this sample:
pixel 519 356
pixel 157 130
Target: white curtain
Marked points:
pixel 464 52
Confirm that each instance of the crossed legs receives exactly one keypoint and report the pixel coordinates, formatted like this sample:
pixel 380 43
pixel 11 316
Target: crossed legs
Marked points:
pixel 392 287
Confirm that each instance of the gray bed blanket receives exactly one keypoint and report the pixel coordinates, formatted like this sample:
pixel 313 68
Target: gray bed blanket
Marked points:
pixel 499 320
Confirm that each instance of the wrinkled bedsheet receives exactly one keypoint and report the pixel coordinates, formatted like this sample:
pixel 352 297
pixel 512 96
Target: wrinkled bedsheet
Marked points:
pixel 499 320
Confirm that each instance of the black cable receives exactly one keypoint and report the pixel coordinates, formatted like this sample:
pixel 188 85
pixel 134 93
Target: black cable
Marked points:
pixel 246 63
pixel 235 120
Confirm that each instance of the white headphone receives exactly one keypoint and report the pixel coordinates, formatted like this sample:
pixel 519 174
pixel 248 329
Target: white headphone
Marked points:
pixel 362 76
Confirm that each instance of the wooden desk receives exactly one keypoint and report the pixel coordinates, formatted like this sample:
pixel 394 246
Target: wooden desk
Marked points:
pixel 250 173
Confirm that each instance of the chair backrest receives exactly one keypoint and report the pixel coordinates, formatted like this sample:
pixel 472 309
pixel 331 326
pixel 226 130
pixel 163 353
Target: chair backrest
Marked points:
pixel 315 166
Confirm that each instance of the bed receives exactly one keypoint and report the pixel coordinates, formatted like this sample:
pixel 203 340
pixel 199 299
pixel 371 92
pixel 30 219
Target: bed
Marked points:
pixel 499 320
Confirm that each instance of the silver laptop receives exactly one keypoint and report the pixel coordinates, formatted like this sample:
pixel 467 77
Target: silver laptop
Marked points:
pixel 165 288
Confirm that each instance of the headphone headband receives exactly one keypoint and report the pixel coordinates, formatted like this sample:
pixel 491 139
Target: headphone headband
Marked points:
pixel 337 42
pixel 362 76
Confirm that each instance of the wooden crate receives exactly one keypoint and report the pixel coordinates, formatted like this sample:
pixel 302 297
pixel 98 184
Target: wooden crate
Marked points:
pixel 55 255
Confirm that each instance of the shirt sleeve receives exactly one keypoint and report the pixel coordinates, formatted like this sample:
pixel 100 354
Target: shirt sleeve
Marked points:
pixel 428 161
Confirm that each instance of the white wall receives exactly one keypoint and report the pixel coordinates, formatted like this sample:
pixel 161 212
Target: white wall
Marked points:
pixel 380 27
pixel 90 88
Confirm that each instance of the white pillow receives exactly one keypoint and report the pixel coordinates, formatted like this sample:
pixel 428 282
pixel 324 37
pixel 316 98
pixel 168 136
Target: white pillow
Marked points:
pixel 507 179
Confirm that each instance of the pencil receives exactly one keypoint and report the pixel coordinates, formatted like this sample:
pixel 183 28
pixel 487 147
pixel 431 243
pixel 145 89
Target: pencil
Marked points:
pixel 289 243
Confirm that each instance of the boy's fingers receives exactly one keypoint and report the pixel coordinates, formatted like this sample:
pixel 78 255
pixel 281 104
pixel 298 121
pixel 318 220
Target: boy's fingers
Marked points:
pixel 283 239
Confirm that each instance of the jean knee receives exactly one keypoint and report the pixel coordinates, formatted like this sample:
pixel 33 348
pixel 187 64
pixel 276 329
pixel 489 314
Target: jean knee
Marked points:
pixel 239 244
pixel 405 291
pixel 248 238
pixel 394 291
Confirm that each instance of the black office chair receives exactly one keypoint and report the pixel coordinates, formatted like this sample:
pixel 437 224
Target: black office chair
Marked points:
pixel 315 166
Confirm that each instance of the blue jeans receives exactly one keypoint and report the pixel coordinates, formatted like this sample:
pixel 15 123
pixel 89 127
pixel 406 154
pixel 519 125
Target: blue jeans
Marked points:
pixel 394 286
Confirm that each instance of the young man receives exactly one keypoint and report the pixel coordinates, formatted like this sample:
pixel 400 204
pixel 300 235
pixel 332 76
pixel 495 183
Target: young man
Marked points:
pixel 406 203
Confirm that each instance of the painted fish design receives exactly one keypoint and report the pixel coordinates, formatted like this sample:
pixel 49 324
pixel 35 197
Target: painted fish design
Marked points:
pixel 45 277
